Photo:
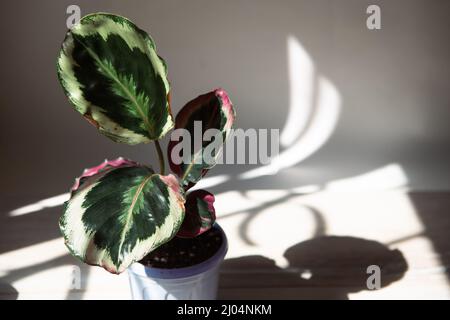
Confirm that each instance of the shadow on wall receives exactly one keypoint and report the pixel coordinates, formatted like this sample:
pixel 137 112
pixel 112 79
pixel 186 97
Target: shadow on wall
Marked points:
pixel 7 291
pixel 27 229
pixel 381 94
pixel 379 78
pixel 327 267
pixel 433 210
pixel 24 230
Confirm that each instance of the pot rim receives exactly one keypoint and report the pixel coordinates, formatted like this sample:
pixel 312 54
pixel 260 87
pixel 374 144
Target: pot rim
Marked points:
pixel 185 272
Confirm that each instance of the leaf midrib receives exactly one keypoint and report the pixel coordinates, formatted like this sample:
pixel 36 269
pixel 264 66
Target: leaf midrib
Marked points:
pixel 191 165
pixel 130 211
pixel 124 88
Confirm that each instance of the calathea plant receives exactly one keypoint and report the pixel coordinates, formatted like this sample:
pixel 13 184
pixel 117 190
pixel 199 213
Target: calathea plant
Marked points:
pixel 120 211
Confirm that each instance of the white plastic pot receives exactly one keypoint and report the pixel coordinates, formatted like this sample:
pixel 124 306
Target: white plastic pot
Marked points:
pixel 197 282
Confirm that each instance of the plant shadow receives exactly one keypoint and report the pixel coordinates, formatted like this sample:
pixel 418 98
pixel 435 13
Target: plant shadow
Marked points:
pixel 7 291
pixel 327 267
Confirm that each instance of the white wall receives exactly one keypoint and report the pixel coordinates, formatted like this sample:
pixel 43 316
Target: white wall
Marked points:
pixel 391 86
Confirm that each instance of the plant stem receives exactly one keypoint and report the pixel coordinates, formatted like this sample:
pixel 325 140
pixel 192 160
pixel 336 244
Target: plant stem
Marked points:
pixel 162 168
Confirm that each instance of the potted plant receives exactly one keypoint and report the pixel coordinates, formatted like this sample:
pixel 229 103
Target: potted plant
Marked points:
pixel 122 214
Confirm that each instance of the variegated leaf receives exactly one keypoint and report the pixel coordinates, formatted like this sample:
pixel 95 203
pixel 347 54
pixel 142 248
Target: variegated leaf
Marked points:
pixel 110 71
pixel 120 214
pixel 200 214
pixel 214 111
pixel 106 165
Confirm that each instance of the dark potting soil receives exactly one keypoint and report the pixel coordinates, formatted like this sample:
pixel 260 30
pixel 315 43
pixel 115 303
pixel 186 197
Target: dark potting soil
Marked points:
pixel 182 252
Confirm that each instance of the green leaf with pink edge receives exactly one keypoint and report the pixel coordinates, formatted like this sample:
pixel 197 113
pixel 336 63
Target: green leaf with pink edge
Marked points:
pixel 213 110
pixel 120 211
pixel 200 214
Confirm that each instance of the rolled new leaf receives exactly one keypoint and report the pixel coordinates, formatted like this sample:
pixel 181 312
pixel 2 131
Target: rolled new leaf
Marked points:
pixel 212 110
pixel 111 73
pixel 121 213
pixel 200 214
